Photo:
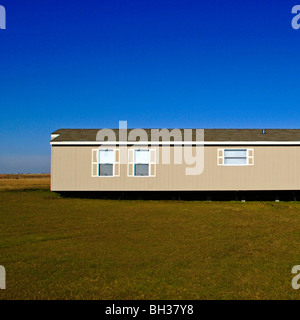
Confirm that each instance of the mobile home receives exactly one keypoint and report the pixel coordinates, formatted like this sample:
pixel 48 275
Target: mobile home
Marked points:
pixel 127 160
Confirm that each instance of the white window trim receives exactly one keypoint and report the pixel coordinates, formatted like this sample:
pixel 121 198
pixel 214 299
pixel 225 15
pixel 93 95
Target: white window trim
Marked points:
pixel 221 155
pixel 250 157
pixel 95 154
pixel 115 163
pixel 133 163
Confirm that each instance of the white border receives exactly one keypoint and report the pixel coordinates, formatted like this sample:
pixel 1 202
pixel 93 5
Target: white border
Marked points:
pixel 175 143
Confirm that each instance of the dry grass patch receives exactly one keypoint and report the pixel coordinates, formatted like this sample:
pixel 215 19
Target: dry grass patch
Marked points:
pixel 25 184
pixel 24 176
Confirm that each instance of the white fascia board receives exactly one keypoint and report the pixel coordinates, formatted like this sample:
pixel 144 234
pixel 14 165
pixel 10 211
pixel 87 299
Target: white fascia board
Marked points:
pixel 54 135
pixel 174 143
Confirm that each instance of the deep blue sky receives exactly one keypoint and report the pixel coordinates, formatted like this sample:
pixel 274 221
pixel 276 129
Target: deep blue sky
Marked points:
pixel 159 63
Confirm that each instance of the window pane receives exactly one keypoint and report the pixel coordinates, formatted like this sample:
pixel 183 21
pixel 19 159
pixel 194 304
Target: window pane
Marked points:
pixel 106 169
pixel 141 156
pixel 106 156
pixel 235 153
pixel 235 161
pixel 141 170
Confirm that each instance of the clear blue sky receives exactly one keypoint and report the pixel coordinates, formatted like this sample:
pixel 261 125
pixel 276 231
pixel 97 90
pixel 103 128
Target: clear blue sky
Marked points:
pixel 159 63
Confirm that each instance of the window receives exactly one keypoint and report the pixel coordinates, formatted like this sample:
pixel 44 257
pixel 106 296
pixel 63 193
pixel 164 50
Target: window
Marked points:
pixel 141 162
pixel 105 162
pixel 235 157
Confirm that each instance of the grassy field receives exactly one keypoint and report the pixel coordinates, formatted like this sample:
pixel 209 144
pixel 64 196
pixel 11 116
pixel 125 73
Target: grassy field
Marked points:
pixel 64 248
pixel 24 176
pixel 24 182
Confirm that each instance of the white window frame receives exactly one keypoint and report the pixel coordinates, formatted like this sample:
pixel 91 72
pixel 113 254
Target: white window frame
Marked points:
pixel 96 162
pixel 249 157
pixel 131 163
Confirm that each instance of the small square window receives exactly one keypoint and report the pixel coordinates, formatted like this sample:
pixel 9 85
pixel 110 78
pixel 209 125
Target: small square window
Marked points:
pixel 105 169
pixel 106 156
pixel 142 156
pixel 141 170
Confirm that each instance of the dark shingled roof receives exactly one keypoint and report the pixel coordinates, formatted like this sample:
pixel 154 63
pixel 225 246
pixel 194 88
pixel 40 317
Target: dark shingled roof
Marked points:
pixel 209 134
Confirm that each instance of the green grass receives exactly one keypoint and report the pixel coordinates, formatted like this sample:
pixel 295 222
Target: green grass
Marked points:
pixel 63 248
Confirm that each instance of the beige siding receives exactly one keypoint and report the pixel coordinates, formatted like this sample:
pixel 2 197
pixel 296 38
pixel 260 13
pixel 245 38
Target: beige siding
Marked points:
pixel 275 168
